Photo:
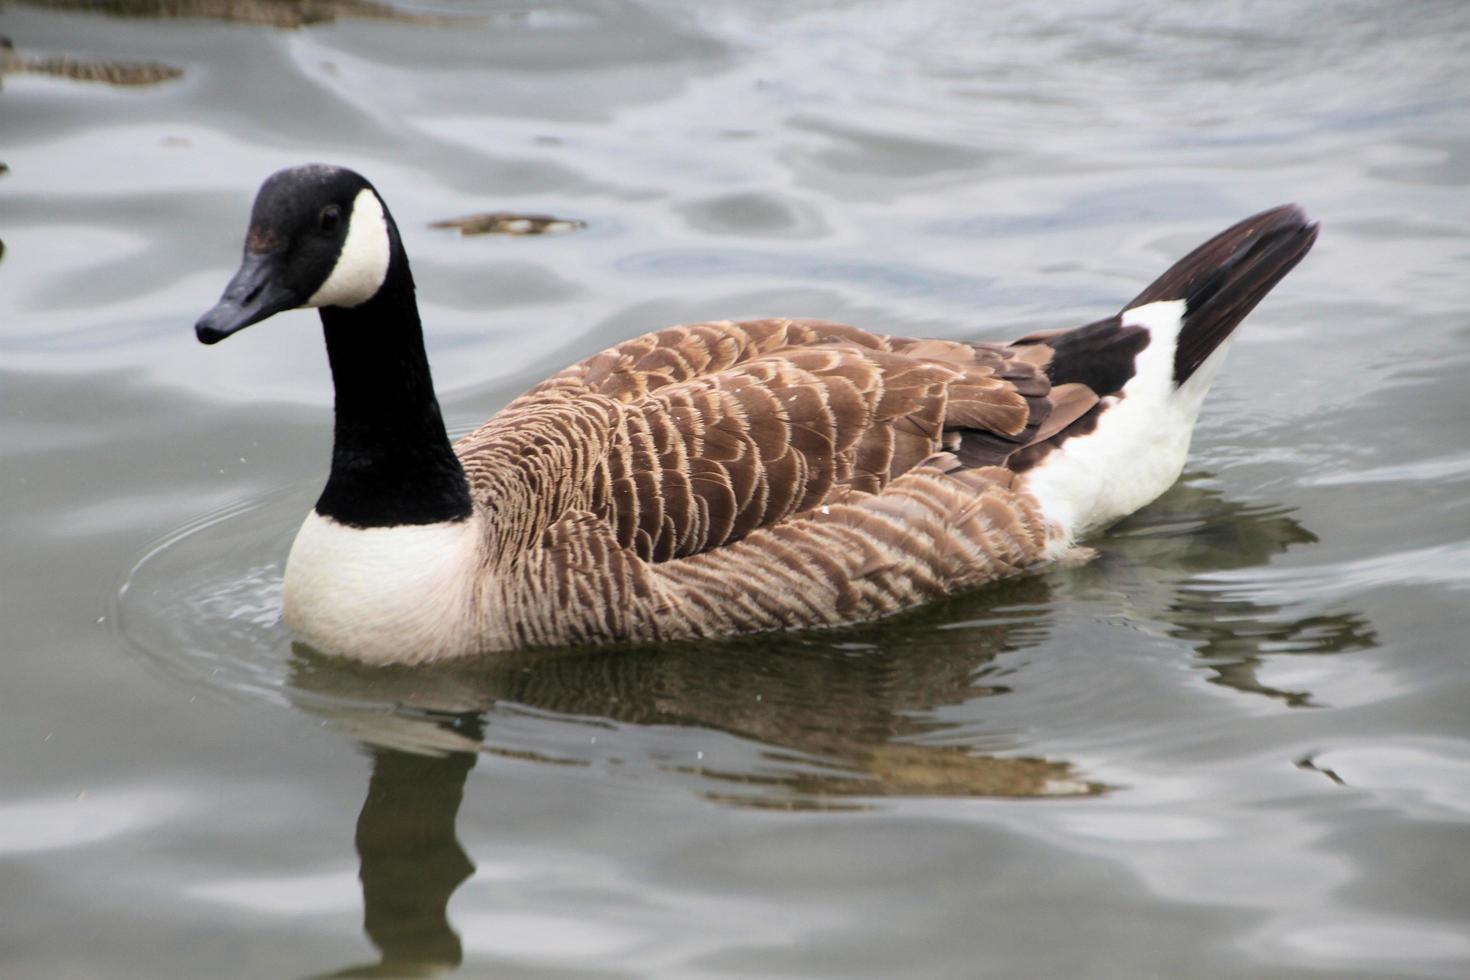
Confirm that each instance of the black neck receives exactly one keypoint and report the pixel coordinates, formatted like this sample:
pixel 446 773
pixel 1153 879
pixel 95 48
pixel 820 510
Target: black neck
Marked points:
pixel 391 459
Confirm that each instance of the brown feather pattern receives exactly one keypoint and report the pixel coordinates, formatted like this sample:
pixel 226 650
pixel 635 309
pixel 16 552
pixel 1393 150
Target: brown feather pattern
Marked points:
pixel 731 477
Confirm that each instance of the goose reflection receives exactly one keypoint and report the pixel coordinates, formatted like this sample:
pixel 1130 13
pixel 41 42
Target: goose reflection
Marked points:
pixel 831 720
pixel 1168 553
pixel 828 718
pixel 830 713
pixel 411 859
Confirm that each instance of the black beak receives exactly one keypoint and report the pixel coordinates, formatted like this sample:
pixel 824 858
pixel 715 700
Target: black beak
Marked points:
pixel 255 293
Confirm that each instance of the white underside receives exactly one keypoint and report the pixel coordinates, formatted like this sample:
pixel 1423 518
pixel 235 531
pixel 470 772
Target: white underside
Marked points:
pixel 1140 444
pixel 403 594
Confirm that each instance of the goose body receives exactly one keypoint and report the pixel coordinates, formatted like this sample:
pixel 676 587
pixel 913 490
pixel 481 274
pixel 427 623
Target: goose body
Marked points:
pixel 714 478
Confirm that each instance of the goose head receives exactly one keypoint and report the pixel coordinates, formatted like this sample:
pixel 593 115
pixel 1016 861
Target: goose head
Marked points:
pixel 319 236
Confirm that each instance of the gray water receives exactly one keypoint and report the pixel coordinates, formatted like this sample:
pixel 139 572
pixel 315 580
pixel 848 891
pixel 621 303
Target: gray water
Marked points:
pixel 1235 744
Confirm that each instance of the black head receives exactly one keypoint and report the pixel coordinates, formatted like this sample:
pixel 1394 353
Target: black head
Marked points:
pixel 319 236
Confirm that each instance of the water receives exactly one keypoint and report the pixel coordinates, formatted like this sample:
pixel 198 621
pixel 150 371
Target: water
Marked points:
pixel 1237 743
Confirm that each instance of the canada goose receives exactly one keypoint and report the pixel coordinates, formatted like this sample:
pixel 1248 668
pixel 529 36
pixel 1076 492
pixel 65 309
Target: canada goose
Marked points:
pixel 715 478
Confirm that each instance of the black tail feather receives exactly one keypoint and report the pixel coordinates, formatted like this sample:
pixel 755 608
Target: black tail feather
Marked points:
pixel 1223 280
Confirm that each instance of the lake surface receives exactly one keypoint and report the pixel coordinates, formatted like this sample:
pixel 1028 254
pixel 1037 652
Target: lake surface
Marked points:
pixel 1235 744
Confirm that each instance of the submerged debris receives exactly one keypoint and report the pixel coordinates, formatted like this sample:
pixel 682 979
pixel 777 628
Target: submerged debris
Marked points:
pixel 1309 763
pixel 129 73
pixel 269 13
pixel 509 223
pixel 109 72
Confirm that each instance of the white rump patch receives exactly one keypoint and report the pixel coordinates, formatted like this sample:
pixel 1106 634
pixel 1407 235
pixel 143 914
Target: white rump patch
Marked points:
pixel 1140 444
pixel 363 263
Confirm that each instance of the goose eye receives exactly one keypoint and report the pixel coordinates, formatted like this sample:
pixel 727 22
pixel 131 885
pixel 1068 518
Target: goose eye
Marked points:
pixel 330 218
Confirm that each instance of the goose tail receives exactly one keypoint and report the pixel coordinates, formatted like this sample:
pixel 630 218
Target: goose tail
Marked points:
pixel 1223 280
pixel 1151 366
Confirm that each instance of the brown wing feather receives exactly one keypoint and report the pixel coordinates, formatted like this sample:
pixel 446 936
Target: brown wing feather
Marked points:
pixel 716 430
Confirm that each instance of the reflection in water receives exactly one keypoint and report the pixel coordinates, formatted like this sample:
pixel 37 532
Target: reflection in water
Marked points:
pixel 828 720
pixel 125 73
pixel 411 860
pixel 851 714
pixel 830 712
pixel 1232 631
pixel 834 716
pixel 269 13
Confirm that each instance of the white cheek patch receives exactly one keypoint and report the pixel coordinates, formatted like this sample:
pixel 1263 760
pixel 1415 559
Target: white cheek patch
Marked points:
pixel 363 263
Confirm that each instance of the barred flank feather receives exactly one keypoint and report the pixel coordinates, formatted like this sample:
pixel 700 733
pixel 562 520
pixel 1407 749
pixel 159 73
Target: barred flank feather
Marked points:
pixel 730 477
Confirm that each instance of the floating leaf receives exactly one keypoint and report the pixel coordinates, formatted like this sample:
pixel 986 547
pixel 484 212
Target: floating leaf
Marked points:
pixel 509 223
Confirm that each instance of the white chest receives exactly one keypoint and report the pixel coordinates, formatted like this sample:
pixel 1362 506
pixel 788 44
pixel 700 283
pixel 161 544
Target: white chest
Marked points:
pixel 401 594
